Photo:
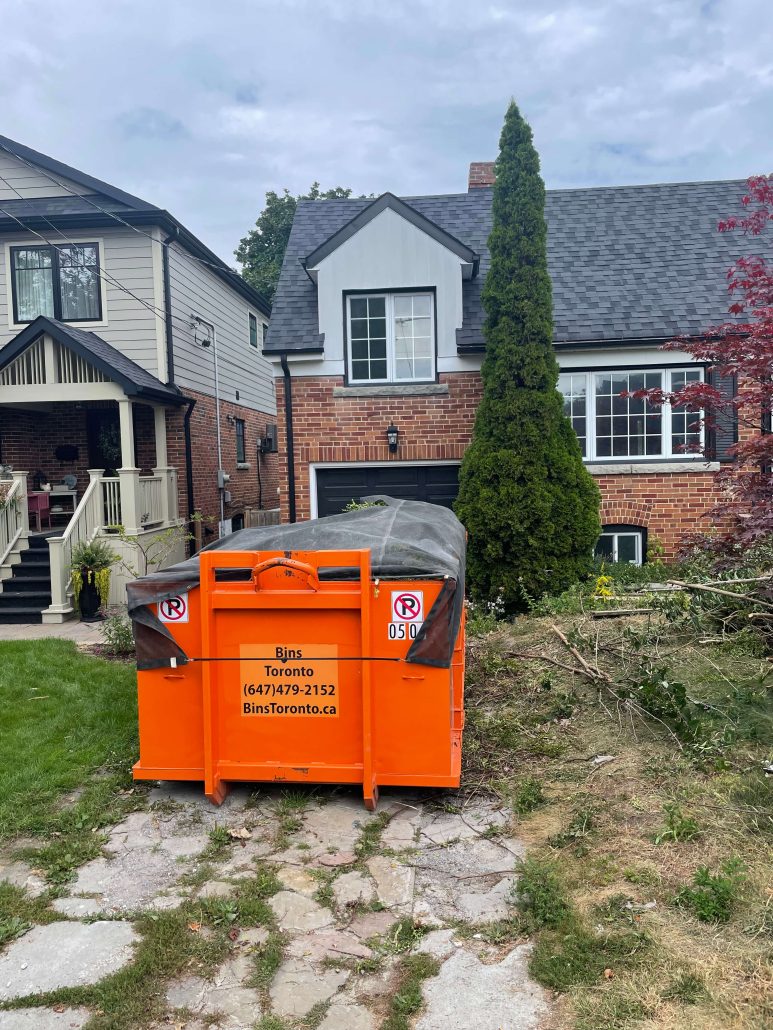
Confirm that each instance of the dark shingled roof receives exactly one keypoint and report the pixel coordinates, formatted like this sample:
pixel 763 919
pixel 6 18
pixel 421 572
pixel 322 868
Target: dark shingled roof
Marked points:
pixel 628 263
pixel 134 379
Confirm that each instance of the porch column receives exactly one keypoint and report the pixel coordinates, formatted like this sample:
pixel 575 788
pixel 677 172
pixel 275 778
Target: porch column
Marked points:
pixel 162 467
pixel 125 412
pixel 128 475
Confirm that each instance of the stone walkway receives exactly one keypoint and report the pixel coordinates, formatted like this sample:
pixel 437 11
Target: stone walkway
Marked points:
pixel 346 877
pixel 73 629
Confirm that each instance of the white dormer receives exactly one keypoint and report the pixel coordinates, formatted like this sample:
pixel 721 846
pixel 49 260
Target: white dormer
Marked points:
pixel 389 293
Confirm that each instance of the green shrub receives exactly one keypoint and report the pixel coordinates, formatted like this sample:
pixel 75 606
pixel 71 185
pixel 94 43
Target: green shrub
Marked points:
pixel 117 636
pixel 529 505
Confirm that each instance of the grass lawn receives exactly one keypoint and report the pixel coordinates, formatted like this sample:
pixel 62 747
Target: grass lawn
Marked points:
pixel 65 716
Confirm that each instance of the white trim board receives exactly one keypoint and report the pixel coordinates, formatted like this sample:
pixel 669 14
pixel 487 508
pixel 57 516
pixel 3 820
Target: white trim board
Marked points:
pixel 313 466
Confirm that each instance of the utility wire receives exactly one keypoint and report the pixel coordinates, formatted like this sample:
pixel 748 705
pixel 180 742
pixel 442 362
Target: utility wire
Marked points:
pixel 110 214
pixel 100 272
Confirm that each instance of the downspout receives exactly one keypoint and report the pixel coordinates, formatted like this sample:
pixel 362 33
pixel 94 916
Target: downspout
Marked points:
pixel 288 391
pixel 189 468
pixel 168 306
pixel 169 334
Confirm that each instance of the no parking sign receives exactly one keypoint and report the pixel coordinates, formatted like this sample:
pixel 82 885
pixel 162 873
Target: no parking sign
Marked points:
pixel 174 609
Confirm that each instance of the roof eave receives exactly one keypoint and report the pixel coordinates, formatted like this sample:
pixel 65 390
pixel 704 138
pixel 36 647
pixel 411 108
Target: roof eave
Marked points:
pixel 147 216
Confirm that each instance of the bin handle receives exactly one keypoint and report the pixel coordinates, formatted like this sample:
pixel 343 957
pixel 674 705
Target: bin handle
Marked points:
pixel 289 563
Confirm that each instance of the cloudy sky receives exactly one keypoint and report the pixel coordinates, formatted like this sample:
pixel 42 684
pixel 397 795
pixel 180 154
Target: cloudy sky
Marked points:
pixel 200 106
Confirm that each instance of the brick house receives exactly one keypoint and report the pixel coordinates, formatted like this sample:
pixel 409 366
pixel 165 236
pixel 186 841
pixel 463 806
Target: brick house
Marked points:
pixel 377 326
pixel 121 335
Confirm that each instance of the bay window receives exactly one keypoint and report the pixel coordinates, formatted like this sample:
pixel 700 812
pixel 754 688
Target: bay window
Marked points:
pixel 612 427
pixel 391 338
pixel 60 282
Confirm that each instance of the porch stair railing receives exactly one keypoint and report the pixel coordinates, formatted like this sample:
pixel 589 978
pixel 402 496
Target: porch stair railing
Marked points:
pixel 88 519
pixel 14 519
pixel 108 502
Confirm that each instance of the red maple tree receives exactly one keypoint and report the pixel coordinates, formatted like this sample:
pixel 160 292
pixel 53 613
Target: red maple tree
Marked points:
pixel 741 352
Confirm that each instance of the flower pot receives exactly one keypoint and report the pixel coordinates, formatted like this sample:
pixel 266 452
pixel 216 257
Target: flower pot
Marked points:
pixel 88 598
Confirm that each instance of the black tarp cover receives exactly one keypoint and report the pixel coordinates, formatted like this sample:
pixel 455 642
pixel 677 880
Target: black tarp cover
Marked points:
pixel 406 539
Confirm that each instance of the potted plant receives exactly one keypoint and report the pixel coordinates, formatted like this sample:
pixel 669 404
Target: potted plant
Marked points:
pixel 90 565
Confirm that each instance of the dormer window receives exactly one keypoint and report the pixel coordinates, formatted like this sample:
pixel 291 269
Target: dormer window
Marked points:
pixel 391 338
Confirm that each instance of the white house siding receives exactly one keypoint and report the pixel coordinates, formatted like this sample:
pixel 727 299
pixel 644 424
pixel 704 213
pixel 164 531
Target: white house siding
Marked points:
pixel 31 182
pixel 127 323
pixel 388 253
pixel 197 290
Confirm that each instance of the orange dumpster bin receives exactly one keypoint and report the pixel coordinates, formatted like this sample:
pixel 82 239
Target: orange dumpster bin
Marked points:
pixel 279 654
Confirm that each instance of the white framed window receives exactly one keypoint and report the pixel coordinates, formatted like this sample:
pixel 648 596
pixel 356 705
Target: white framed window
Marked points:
pixel 252 321
pixel 611 427
pixel 623 544
pixel 391 338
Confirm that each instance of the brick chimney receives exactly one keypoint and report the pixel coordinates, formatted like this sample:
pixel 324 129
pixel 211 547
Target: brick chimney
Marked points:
pixel 481 174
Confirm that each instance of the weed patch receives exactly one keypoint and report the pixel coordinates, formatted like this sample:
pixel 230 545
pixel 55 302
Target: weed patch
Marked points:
pixel 370 836
pixel 527 795
pixel 413 971
pixel 678 826
pixel 714 895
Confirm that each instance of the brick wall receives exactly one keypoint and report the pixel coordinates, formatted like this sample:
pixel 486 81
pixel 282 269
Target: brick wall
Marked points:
pixel 29 439
pixel 243 486
pixel 438 427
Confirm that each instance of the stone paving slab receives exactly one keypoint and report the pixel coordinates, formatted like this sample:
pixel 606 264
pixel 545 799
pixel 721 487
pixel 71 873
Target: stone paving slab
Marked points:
pixel 466 994
pixel 65 954
pixel 21 875
pixel 343 1016
pixel 299 985
pixel 44 1019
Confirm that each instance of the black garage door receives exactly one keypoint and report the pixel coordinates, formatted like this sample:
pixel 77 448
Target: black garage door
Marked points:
pixel 337 487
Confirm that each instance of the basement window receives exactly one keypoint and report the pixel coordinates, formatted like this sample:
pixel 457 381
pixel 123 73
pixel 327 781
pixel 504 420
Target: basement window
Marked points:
pixel 623 544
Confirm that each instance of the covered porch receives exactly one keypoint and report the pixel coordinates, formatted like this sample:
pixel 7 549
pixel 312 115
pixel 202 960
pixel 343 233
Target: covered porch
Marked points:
pixel 83 432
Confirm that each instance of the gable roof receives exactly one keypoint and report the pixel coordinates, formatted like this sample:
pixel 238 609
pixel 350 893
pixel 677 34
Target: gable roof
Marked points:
pixel 107 206
pixel 628 263
pixel 388 201
pixel 134 379
pixel 58 168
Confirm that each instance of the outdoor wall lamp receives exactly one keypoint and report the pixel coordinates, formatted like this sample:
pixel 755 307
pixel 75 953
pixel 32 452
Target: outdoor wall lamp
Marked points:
pixel 392 434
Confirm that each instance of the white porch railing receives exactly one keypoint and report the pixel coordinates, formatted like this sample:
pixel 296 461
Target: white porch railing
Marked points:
pixel 86 522
pixel 151 500
pixel 111 499
pixel 14 520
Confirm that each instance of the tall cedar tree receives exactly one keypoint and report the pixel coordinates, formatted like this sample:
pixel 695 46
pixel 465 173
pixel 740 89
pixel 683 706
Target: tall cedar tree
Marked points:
pixel 530 507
